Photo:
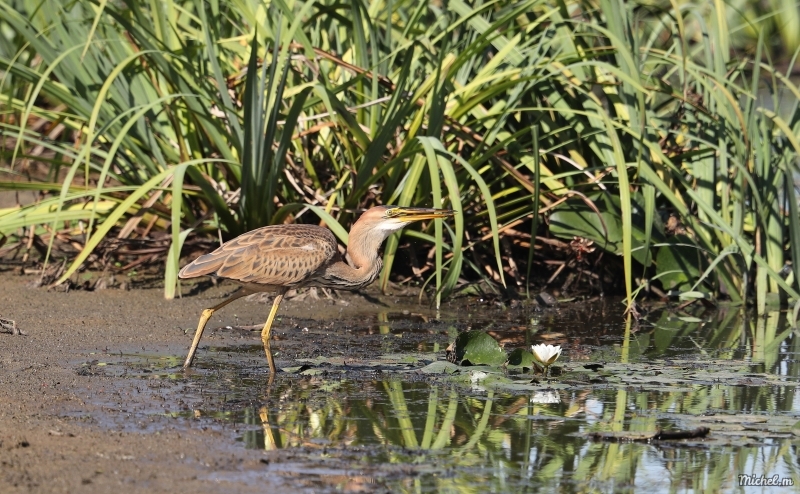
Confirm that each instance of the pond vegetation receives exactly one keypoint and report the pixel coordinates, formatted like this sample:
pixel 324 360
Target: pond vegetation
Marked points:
pixel 660 136
pixel 644 149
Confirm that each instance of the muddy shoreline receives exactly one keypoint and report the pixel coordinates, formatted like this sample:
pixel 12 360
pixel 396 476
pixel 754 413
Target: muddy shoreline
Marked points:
pixel 76 416
pixel 93 398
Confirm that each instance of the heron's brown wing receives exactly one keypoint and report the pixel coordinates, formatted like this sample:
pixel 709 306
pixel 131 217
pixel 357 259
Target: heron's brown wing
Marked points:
pixel 279 255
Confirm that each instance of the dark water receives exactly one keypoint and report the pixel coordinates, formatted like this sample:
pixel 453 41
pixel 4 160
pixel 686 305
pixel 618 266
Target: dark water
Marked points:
pixel 371 427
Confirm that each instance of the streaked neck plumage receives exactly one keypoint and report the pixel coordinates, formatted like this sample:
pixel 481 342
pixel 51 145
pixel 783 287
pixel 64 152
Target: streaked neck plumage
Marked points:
pixel 363 259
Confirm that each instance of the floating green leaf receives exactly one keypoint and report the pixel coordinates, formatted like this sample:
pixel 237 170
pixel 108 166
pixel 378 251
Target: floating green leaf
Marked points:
pixel 521 359
pixel 478 348
pixel 440 367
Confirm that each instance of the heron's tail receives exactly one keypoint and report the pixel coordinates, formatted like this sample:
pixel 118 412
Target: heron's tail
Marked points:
pixel 202 266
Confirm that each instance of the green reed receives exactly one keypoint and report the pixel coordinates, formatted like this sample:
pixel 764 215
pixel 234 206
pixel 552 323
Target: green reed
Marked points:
pixel 222 116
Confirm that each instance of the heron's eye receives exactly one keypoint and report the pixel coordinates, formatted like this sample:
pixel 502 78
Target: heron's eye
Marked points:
pixel 391 213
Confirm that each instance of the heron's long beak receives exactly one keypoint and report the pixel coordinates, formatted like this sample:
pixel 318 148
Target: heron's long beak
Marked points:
pixel 417 214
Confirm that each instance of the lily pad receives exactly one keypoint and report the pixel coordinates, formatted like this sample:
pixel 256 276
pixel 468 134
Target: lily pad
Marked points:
pixel 478 348
pixel 440 367
pixel 521 359
pixel 313 372
pixel 295 369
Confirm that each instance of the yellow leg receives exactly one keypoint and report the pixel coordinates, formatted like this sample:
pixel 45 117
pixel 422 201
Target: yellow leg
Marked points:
pixel 268 329
pixel 201 325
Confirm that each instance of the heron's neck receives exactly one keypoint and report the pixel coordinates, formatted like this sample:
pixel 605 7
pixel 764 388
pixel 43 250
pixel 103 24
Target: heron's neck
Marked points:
pixel 364 262
pixel 364 246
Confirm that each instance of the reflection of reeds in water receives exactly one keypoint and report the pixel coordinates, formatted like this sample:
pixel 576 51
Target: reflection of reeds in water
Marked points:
pixel 509 439
pixel 409 422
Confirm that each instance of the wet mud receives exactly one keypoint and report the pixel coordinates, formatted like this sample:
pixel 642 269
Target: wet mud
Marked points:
pixel 92 396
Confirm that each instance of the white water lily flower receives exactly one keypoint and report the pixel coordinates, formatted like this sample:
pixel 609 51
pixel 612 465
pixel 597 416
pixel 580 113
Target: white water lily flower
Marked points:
pixel 546 354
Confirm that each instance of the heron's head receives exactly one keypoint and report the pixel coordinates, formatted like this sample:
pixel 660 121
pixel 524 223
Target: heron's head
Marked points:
pixel 389 219
pixel 375 226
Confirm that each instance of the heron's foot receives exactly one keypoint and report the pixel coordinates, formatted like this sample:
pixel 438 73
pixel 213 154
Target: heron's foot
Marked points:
pixel 270 359
pixel 201 325
pixel 265 333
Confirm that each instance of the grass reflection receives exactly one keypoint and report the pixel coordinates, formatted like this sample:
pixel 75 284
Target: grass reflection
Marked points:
pixel 736 375
pixel 506 441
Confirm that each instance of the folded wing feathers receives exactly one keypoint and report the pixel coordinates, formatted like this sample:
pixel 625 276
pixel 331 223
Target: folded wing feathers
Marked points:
pixel 275 255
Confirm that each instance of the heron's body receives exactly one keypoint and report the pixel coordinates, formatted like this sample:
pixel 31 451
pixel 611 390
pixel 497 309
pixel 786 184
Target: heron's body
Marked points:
pixel 280 257
pixel 283 256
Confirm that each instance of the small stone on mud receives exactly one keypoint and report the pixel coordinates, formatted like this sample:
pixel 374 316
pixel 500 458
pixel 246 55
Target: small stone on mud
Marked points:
pixel 546 299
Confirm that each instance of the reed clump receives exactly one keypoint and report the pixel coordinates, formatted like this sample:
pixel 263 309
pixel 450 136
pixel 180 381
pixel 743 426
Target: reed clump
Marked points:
pixel 664 136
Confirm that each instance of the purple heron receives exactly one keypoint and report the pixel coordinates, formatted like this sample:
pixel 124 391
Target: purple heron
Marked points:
pixel 279 257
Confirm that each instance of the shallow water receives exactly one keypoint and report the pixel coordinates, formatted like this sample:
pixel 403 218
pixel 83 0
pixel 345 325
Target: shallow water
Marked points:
pixel 375 417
